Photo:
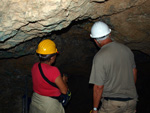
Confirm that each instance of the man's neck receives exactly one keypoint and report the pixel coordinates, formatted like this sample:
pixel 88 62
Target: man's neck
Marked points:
pixel 106 41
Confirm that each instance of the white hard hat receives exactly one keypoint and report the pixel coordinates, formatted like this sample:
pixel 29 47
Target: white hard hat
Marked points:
pixel 99 29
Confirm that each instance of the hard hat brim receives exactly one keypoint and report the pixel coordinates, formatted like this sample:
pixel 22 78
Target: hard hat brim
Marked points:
pixel 100 36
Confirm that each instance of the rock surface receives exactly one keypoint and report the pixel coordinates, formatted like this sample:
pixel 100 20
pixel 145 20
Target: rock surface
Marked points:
pixel 23 20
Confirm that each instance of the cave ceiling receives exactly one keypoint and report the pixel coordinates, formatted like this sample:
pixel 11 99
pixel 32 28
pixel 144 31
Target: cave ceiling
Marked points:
pixel 24 22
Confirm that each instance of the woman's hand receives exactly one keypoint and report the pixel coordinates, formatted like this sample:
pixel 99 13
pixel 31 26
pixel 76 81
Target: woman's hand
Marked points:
pixel 65 78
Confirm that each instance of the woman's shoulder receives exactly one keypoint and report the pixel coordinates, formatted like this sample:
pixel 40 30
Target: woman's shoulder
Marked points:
pixel 49 67
pixel 35 64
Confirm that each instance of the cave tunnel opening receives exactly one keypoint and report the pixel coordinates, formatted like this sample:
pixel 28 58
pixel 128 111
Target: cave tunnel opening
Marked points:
pixel 142 62
pixel 75 59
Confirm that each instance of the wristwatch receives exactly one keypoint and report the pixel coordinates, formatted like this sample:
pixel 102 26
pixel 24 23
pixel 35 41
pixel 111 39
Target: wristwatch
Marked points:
pixel 95 109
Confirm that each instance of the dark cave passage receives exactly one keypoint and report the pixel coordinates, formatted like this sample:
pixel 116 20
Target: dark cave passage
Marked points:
pixel 12 88
pixel 143 85
pixel 82 91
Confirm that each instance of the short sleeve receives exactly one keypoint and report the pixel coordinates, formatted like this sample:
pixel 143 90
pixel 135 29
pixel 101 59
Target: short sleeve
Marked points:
pixel 98 71
pixel 54 73
pixel 132 60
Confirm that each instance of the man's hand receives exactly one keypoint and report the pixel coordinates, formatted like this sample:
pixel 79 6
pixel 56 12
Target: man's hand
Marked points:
pixel 92 111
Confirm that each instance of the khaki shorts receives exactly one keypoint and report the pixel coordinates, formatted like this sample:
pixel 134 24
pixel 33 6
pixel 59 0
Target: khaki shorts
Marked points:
pixel 44 104
pixel 112 106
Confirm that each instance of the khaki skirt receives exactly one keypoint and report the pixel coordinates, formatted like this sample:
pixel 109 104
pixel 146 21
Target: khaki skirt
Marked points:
pixel 44 104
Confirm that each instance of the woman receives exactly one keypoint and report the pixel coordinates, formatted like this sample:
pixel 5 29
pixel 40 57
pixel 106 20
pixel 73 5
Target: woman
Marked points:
pixel 42 99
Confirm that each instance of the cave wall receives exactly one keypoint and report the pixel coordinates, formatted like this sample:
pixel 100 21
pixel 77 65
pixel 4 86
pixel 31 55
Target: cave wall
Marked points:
pixel 75 58
pixel 23 21
pixel 76 52
pixel 132 27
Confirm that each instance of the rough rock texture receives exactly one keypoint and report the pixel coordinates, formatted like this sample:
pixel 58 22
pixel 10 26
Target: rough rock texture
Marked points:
pixel 23 20
pixel 132 27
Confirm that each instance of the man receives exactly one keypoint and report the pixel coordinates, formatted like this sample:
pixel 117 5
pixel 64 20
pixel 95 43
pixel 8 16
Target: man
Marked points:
pixel 113 74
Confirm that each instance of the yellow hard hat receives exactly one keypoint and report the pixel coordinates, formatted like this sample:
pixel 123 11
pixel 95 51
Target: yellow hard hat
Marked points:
pixel 46 46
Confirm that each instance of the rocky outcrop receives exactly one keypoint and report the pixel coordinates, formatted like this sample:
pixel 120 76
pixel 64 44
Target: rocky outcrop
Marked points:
pixel 132 27
pixel 23 20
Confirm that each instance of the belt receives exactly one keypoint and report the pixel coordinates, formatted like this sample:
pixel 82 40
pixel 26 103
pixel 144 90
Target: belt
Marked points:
pixel 117 99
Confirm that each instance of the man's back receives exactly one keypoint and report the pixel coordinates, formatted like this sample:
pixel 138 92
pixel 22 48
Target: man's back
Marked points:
pixel 114 64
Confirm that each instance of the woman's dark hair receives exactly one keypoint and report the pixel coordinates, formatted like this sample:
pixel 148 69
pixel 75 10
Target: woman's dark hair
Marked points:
pixel 45 57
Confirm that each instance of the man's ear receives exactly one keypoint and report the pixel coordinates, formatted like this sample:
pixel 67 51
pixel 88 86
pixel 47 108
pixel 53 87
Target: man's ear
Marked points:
pixel 97 42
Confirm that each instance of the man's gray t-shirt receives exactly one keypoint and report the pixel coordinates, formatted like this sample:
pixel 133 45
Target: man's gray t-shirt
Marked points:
pixel 113 67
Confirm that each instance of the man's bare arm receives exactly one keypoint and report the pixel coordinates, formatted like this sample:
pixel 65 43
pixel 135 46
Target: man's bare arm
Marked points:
pixel 97 94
